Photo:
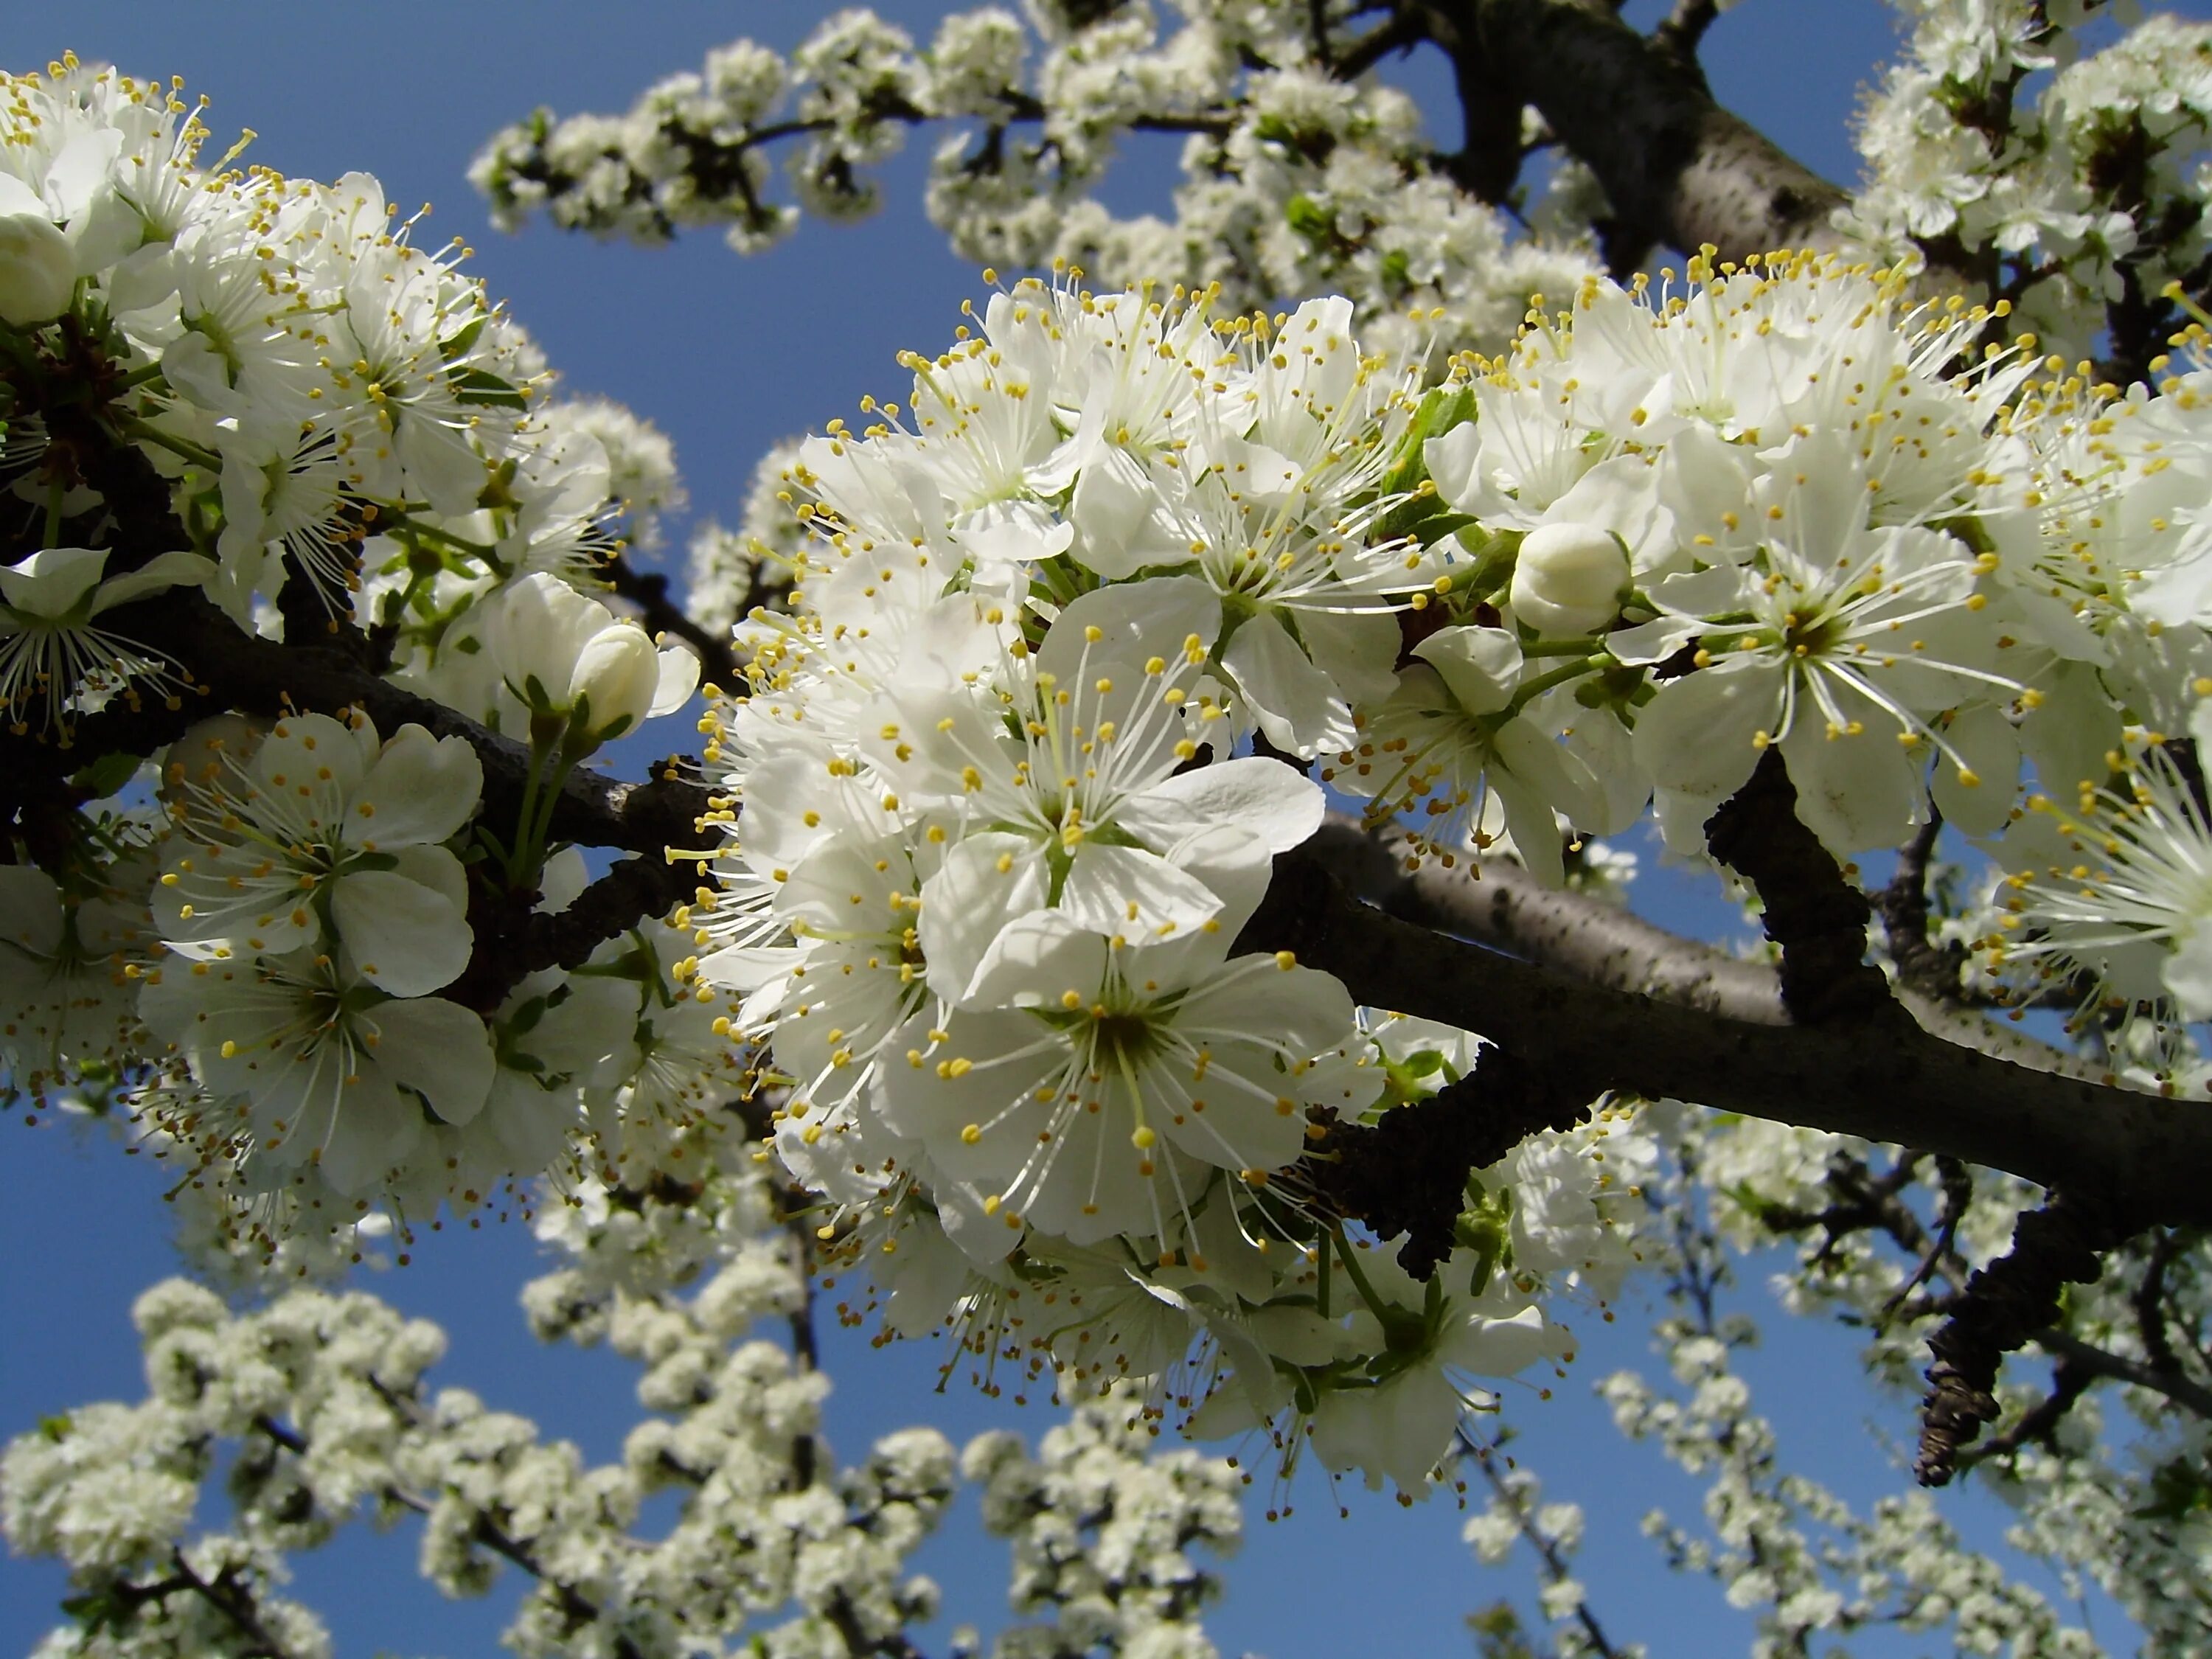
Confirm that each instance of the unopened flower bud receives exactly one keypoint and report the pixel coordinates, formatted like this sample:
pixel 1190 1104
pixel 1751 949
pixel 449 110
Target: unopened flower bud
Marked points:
pixel 1568 578
pixel 38 271
pixel 616 679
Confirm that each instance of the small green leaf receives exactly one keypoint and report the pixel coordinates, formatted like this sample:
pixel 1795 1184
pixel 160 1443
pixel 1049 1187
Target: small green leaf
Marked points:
pixel 1310 219
pixel 477 386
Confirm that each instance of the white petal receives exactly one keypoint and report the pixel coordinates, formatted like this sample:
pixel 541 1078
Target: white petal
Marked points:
pixel 30 909
pixel 1296 705
pixel 1037 959
pixel 438 1049
pixel 406 937
pixel 164 570
pixel 1273 801
pixel 1696 737
pixel 971 899
pixel 2188 974
pixel 1357 649
pixel 50 582
pixel 1138 620
pixel 1853 793
pixel 419 789
pixel 1990 747
pixel 1500 1347
pixel 1482 665
pixel 1128 892
pixel 679 678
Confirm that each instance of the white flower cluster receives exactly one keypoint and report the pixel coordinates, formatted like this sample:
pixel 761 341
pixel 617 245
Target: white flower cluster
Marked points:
pixel 993 828
pixel 1103 1536
pixel 1294 181
pixel 349 443
pixel 2091 193
pixel 1785 1546
pixel 326 1400
pixel 2104 1489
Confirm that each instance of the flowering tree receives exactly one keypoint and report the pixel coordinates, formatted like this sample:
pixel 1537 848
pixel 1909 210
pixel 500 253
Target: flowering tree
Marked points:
pixel 1139 903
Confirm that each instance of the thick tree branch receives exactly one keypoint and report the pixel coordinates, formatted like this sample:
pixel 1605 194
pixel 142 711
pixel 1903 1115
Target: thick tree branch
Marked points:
pixel 2147 1157
pixel 1505 905
pixel 1677 168
pixel 1488 162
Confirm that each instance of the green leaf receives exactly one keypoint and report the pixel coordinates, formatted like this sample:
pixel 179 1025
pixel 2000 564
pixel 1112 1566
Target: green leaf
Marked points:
pixel 453 345
pixel 477 386
pixel 107 775
pixel 1310 219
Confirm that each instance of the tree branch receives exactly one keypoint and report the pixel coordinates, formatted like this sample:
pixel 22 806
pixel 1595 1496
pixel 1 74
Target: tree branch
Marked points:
pixel 1677 168
pixel 1682 29
pixel 2092 1361
pixel 1488 160
pixel 659 614
pixel 1808 907
pixel 1504 906
pixel 2145 1155
pixel 2004 1306
pixel 1928 968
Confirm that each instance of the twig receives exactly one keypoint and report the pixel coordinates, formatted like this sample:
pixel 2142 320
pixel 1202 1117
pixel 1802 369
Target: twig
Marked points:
pixel 1547 1547
pixel 579 1608
pixel 648 591
pixel 2149 1303
pixel 1927 967
pixel 1958 1193
pixel 230 1600
pixel 2181 1390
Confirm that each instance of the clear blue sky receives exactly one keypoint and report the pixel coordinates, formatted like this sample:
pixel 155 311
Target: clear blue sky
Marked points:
pixel 728 356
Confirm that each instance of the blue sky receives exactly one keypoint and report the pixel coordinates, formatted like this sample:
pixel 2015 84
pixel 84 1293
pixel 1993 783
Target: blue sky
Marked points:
pixel 727 356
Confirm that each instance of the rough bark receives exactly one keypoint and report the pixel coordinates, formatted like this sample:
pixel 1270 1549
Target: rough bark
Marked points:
pixel 2141 1157
pixel 1677 168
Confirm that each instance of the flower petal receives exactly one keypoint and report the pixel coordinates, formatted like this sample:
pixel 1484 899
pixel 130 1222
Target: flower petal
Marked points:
pixel 441 1050
pixel 1275 801
pixel 420 789
pixel 407 937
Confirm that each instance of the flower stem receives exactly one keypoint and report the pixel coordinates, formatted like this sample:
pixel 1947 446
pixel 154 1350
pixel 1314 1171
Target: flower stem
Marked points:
pixel 178 446
pixel 1532 689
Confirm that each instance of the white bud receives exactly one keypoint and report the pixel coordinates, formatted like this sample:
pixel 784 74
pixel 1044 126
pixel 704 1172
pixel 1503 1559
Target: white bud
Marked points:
pixel 1568 577
pixel 38 271
pixel 536 630
pixel 619 673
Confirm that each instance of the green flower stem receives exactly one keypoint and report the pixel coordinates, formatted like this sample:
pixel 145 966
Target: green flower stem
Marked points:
pixel 181 448
pixel 429 532
pixel 1375 1305
pixel 1532 689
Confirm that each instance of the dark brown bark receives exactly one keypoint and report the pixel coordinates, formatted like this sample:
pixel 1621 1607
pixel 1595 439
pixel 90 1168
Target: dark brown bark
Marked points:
pixel 1678 169
pixel 2003 1307
pixel 2143 1157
